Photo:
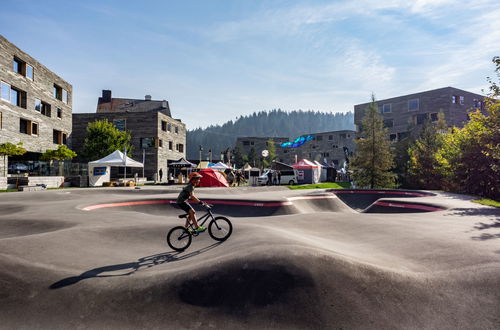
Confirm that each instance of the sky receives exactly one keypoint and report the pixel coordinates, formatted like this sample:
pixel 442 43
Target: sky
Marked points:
pixel 216 60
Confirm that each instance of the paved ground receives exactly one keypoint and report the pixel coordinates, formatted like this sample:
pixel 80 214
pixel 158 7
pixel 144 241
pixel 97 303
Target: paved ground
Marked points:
pixel 294 261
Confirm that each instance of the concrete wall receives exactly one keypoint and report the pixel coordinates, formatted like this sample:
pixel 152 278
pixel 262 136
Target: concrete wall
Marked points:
pixel 3 182
pixel 42 88
pixel 50 181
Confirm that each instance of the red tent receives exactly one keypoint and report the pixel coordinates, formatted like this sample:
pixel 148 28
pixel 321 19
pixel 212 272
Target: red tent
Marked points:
pixel 212 178
pixel 304 164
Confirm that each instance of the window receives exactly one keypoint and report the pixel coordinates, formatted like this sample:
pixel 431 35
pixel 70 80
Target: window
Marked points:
pixel 58 92
pixel 342 136
pixel 17 97
pixel 64 138
pixel 163 125
pixel 170 145
pixel 176 129
pixel 319 138
pixel 461 100
pixel 420 119
pixel 334 146
pixel 147 143
pixel 42 107
pixel 246 143
pixel 59 113
pixel 454 99
pixel 34 128
pixel 413 105
pixel 380 109
pixel 65 96
pixel 29 71
pixel 252 143
pixel 5 91
pixel 389 123
pixel 387 108
pixel 477 104
pixel 393 137
pixel 181 147
pixel 330 137
pixel 120 124
pixel 169 127
pixel 17 65
pixel 160 143
pixel 23 126
pixel 434 116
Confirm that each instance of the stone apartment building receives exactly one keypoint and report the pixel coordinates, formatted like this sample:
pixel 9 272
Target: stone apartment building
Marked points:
pixel 150 123
pixel 403 113
pixel 323 146
pixel 35 105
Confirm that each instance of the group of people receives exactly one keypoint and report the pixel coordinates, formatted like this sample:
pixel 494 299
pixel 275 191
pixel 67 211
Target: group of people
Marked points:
pixel 235 178
pixel 273 178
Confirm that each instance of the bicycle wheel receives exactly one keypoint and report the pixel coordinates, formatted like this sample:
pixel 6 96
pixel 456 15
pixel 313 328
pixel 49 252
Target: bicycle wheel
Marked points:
pixel 179 238
pixel 220 228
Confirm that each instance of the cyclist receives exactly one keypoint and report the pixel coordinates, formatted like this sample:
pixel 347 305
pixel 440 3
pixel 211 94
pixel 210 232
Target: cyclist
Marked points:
pixel 186 194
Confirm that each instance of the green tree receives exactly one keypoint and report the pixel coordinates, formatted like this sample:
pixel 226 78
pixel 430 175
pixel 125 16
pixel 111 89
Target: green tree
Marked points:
pixel 60 154
pixel 374 159
pixel 10 149
pixel 423 168
pixel 103 138
pixel 239 158
pixel 470 156
pixel 253 159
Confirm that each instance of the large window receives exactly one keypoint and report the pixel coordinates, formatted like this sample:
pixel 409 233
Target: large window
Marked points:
pixel 13 95
pixel 60 93
pixel 28 127
pixel 42 107
pixel 22 68
pixel 29 72
pixel 389 123
pixel 413 105
pixel 387 108
pixel 163 125
pixel 59 137
pixel 120 124
pixel 420 119
pixel 147 143
pixel 170 145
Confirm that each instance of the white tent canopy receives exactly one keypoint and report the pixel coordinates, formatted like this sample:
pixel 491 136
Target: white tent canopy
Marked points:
pixel 116 158
pixel 219 166
pixel 99 170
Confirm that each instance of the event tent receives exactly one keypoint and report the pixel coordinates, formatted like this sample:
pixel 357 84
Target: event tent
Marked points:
pixel 212 178
pixel 204 164
pixel 308 172
pixel 99 170
pixel 220 166
pixel 322 170
pixel 181 163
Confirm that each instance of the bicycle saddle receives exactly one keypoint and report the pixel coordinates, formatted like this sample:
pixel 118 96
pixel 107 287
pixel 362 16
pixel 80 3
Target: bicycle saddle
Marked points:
pixel 183 215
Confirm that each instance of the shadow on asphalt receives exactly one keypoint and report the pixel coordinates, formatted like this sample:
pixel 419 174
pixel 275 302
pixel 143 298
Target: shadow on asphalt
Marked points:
pixel 130 268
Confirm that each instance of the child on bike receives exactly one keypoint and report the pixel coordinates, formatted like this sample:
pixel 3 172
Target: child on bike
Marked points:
pixel 186 194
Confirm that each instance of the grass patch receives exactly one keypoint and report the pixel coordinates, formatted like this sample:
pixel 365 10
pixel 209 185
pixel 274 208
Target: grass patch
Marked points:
pixel 8 190
pixel 326 185
pixel 486 201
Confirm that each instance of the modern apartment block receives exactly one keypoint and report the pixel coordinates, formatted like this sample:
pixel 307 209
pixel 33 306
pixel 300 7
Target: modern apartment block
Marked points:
pixel 404 112
pixel 154 132
pixel 35 105
pixel 323 147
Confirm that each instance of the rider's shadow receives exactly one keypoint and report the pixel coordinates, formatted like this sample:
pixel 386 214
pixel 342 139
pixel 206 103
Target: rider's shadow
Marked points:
pixel 130 268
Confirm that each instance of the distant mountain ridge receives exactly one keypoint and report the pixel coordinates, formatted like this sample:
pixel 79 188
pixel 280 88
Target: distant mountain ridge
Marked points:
pixel 274 123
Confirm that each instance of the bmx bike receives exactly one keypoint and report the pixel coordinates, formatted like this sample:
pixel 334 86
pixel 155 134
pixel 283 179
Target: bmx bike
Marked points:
pixel 219 228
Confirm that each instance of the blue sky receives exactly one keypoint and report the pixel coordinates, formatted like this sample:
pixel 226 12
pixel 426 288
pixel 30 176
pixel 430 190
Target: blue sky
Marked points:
pixel 217 60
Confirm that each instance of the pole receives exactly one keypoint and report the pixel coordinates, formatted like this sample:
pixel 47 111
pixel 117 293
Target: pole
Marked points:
pixel 143 161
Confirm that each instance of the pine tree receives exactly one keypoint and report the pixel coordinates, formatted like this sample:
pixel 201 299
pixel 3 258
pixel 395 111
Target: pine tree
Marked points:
pixel 374 159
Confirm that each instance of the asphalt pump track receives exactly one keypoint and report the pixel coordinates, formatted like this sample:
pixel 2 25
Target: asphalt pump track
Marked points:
pixel 351 259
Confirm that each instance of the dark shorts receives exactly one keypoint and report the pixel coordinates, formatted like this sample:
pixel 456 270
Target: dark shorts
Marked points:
pixel 185 206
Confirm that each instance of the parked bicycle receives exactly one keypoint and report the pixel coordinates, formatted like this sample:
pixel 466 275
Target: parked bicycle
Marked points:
pixel 219 228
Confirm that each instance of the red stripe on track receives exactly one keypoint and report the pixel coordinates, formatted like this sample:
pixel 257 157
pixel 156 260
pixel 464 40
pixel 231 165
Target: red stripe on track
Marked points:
pixel 409 206
pixel 380 192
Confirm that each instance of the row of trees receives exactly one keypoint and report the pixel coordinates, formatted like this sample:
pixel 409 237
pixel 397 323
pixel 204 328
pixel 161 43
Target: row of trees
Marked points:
pixel 253 158
pixel 465 160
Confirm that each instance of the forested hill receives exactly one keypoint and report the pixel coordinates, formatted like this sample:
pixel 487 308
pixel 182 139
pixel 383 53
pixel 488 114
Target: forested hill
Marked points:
pixel 275 123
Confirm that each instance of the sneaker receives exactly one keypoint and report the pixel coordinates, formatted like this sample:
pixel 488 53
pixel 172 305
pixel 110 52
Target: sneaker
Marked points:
pixel 200 229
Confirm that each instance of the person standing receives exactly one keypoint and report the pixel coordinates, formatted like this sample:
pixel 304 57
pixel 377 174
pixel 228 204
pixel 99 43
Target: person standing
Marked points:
pixel 278 173
pixel 269 178
pixel 160 173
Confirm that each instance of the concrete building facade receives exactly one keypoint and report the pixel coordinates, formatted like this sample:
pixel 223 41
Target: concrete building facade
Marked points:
pixel 323 147
pixel 403 113
pixel 35 104
pixel 154 132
